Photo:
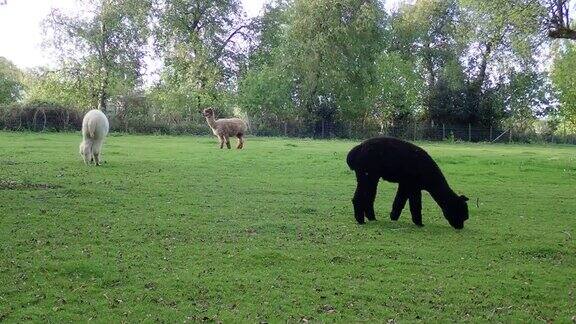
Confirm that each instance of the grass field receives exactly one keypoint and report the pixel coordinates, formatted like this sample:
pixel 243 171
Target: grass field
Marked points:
pixel 173 229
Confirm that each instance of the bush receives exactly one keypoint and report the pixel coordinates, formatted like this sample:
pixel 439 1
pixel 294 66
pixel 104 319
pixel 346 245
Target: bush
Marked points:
pixel 145 126
pixel 40 116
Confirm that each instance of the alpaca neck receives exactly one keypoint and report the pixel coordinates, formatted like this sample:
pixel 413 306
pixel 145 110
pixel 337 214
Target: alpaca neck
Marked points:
pixel 443 194
pixel 211 122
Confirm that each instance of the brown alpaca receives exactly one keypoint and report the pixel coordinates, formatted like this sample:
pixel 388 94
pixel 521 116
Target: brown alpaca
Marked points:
pixel 224 128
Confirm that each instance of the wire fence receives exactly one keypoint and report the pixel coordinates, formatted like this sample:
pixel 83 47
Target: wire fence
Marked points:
pixel 58 119
pixel 417 132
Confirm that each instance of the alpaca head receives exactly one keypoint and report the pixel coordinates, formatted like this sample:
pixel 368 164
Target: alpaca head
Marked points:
pixel 208 112
pixel 457 212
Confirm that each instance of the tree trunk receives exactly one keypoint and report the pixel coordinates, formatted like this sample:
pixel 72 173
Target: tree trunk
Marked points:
pixel 103 87
pixel 565 33
pixel 559 21
pixel 429 65
pixel 479 81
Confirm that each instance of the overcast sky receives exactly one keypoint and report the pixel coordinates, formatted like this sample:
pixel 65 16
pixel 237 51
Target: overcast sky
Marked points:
pixel 21 34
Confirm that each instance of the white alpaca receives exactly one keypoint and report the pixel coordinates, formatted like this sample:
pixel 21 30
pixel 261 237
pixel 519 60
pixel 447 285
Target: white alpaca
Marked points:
pixel 94 130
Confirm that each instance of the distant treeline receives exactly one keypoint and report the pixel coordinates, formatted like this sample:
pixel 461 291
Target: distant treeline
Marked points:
pixel 317 66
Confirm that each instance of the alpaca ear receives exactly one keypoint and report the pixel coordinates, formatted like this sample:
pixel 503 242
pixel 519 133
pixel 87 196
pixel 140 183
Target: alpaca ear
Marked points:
pixel 464 198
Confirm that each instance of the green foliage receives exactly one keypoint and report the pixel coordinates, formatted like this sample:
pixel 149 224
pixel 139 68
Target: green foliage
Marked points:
pixel 342 63
pixel 526 95
pixel 58 88
pixel 10 82
pixel 334 46
pixel 554 17
pixel 37 115
pixel 264 93
pixel 172 229
pixel 396 95
pixel 196 43
pixel 564 82
pixel 103 45
pixel 469 57
pixel 324 53
pixel 266 86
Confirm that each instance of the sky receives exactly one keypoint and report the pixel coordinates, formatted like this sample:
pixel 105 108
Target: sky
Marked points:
pixel 21 34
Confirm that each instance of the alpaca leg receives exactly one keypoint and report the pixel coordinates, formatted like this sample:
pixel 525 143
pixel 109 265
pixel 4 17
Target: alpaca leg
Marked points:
pixel 87 151
pixel 372 189
pixel 416 207
pixel 399 202
pixel 227 141
pixel 358 203
pixel 240 141
pixel 96 147
pixel 221 139
pixel 363 197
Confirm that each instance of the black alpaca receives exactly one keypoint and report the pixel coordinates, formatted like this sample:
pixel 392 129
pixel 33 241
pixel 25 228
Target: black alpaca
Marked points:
pixel 413 169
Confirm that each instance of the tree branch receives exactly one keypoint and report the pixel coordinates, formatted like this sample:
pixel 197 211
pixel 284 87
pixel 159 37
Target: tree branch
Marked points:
pixel 565 33
pixel 223 46
pixel 559 22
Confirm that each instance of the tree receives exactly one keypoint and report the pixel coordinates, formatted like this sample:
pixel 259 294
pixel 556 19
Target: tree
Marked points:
pixel 11 86
pixel 200 49
pixel 426 32
pixel 334 46
pixel 266 88
pixel 466 54
pixel 43 85
pixel 265 94
pixel 553 16
pixel 435 36
pixel 396 95
pixel 525 97
pixel 321 56
pixel 103 45
pixel 564 82
pixel 499 51
pixel 560 24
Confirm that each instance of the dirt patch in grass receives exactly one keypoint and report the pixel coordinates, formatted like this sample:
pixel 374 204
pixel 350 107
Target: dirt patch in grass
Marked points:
pixel 16 185
pixel 8 162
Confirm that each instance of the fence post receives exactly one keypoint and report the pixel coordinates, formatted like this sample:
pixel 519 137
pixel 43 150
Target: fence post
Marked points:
pixel 443 131
pixel 490 133
pixel 469 132
pixel 510 136
pixel 285 129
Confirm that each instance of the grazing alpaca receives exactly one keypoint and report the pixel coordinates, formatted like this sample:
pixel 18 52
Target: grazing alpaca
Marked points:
pixel 94 130
pixel 224 128
pixel 413 169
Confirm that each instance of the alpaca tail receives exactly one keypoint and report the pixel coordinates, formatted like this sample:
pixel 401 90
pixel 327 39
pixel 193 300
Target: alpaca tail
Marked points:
pixel 91 129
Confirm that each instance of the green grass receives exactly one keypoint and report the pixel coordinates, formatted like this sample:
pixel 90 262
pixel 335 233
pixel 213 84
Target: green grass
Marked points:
pixel 173 229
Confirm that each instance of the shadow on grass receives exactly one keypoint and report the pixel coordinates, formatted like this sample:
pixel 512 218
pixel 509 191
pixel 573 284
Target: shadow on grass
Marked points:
pixel 408 227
